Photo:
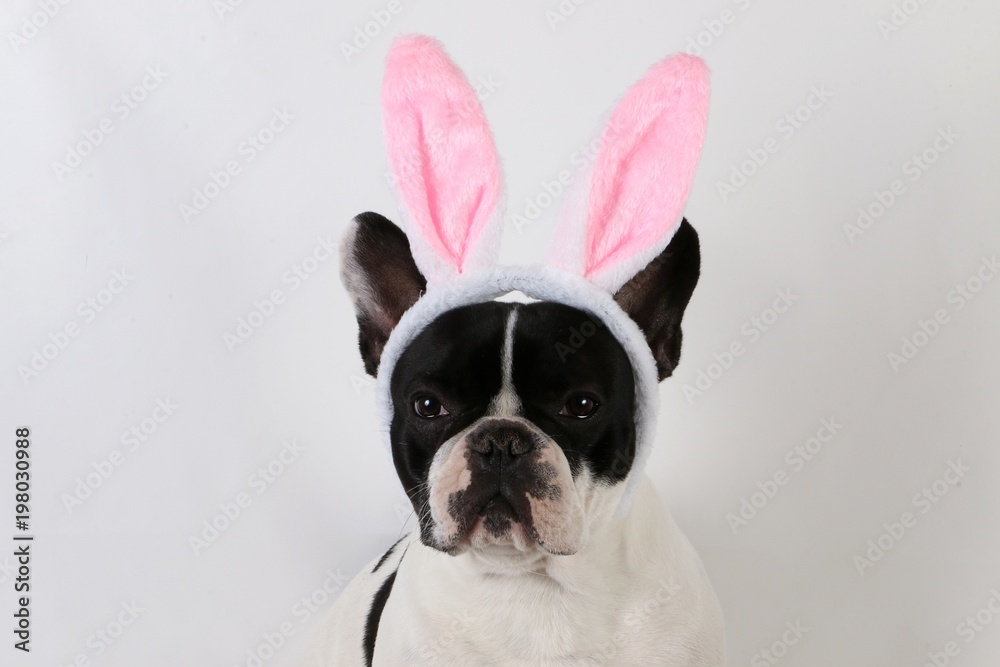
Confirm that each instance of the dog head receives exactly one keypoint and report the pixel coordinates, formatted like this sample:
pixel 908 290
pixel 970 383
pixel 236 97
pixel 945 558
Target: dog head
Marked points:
pixel 513 424
pixel 516 427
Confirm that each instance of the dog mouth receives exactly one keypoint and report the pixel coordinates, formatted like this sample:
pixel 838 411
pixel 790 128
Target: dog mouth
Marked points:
pixel 498 510
pixel 498 525
pixel 497 518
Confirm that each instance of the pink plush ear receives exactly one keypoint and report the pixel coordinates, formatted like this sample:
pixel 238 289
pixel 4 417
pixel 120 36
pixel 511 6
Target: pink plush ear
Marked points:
pixel 641 177
pixel 443 160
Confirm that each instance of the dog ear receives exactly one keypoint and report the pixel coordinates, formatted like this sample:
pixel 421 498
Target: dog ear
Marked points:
pixel 655 298
pixel 378 270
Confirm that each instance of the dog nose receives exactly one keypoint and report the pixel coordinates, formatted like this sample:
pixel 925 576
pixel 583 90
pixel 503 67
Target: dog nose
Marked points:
pixel 506 439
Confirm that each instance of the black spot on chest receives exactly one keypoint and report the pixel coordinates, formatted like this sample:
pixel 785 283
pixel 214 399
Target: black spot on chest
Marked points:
pixel 385 556
pixel 375 616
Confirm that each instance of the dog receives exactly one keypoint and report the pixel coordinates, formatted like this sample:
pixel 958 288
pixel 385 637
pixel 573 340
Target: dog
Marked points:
pixel 518 427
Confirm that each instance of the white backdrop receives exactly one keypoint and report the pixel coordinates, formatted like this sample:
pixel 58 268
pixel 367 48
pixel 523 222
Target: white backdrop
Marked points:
pixel 169 169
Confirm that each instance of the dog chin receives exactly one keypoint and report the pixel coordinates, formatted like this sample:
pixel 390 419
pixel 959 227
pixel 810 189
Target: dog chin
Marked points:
pixel 496 530
pixel 514 542
pixel 500 534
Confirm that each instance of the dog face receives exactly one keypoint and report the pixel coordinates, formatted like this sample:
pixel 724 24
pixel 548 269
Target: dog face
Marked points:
pixel 513 423
pixel 500 435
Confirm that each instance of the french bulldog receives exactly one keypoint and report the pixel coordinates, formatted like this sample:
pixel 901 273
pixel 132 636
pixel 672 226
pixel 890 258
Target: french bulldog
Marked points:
pixel 514 431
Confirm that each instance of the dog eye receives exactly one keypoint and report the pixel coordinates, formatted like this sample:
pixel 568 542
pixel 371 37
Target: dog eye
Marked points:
pixel 579 406
pixel 428 407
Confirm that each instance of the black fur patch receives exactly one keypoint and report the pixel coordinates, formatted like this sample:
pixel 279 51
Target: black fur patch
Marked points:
pixel 375 615
pixel 385 556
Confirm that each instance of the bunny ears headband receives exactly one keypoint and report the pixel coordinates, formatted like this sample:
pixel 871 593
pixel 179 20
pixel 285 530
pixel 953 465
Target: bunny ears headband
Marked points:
pixel 447 174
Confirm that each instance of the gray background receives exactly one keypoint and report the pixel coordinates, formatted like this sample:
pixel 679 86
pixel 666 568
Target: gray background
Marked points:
pixel 889 90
